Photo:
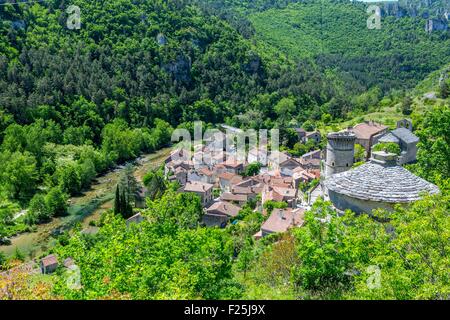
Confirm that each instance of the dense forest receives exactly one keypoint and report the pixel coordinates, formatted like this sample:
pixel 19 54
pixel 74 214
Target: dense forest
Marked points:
pixel 75 103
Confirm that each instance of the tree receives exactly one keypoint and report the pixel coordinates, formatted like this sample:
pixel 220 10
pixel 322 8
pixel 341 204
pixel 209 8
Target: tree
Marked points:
pixel 68 177
pixel 38 209
pixel 180 210
pixel 269 205
pixel 56 201
pixel 444 88
pixel 86 172
pixel 117 204
pixel 326 118
pixel 360 153
pixel 308 125
pixel 252 169
pixel 433 156
pixel 407 105
pixel 390 147
pixel 414 262
pixel 285 108
pixel 2 259
pixel 155 183
pixel 18 174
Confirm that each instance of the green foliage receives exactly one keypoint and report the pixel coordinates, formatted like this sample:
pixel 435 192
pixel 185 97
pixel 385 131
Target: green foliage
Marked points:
pixel 407 106
pixel 433 157
pixel 151 261
pixel 334 33
pixel 360 153
pixel 176 210
pixel 155 183
pixel 56 201
pixel 390 147
pixel 126 193
pixel 269 205
pixel 18 174
pixel 444 89
pixel 7 211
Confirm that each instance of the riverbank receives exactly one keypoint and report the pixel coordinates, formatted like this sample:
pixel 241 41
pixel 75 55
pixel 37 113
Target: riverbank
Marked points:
pixel 82 209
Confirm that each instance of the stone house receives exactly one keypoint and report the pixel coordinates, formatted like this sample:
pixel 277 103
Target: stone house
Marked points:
pixel 407 142
pixel 201 175
pixel 305 136
pixel 137 218
pixel 302 176
pixel 227 179
pixel 276 158
pixel 204 190
pixel 368 133
pixel 280 194
pixel 219 213
pixel 280 220
pixel 239 199
pixel 287 167
pixel 49 264
pixel 257 155
pixel 234 166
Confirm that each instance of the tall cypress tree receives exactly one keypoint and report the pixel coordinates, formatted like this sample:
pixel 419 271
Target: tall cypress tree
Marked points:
pixel 117 201
pixel 123 204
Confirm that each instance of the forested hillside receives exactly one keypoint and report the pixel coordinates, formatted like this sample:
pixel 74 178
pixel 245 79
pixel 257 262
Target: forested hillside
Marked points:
pixel 75 102
pixel 335 33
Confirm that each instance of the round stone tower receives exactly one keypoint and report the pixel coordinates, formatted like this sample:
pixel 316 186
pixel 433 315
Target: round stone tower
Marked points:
pixel 340 152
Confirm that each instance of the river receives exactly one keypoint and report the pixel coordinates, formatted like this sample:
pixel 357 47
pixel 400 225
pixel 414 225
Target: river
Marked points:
pixel 84 208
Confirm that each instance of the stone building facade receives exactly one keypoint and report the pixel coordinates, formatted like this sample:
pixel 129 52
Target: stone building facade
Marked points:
pixel 340 152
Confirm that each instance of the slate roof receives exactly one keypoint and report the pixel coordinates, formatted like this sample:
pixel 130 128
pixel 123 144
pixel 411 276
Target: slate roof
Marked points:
pixel 389 138
pixel 405 135
pixel 383 182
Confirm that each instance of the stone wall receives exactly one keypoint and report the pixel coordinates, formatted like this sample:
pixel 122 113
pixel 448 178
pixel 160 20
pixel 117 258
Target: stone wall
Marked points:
pixel 343 202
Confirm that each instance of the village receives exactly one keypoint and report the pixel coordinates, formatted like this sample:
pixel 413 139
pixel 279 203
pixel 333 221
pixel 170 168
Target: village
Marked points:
pixel 295 182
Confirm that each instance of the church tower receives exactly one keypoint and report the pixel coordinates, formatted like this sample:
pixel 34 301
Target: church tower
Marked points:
pixel 340 152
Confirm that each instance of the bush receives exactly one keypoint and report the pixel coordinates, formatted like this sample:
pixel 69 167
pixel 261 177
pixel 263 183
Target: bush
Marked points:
pixel 390 147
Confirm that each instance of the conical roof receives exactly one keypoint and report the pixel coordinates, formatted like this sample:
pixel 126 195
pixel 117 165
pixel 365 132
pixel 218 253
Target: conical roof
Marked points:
pixel 382 180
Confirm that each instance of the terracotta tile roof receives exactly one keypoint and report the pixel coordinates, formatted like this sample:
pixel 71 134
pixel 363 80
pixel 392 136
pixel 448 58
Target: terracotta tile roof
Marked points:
pixel 228 196
pixel 225 208
pixel 49 260
pixel 233 163
pixel 285 192
pixel 227 175
pixel 367 129
pixel 206 172
pixel 197 187
pixel 282 219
